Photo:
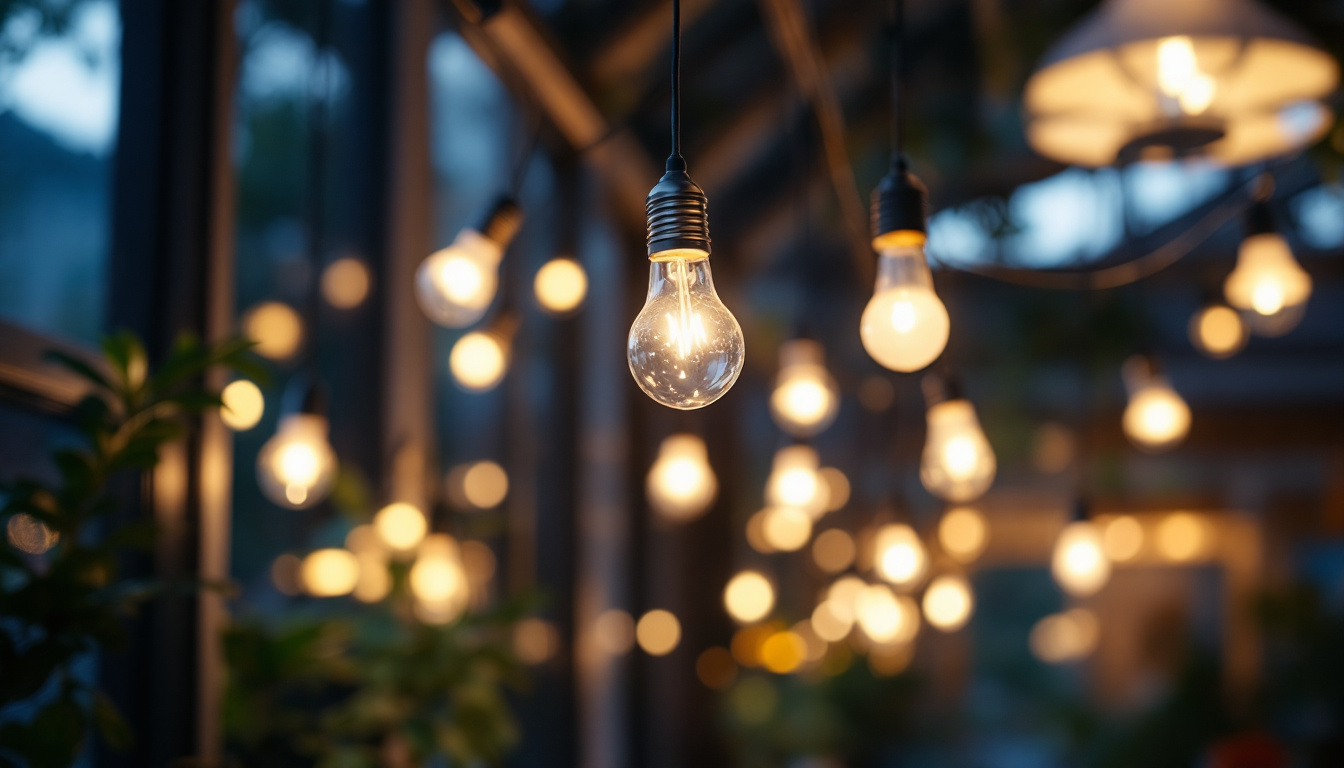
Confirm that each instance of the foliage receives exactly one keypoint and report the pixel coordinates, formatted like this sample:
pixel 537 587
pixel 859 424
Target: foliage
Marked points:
pixel 57 605
pixel 373 690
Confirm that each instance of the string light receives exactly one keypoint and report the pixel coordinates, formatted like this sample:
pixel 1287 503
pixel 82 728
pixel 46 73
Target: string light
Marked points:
pixel 479 360
pixel 834 550
pixel 297 467
pixel 1079 564
pixel 456 285
pixel 276 328
pixel 1064 637
pixel 963 533
pixel 805 400
pixel 795 481
pixel 899 555
pixel 1218 331
pixel 401 526
pixel 438 581
pixel 958 464
pixel 329 573
pixel 681 485
pixel 345 283
pixel 786 529
pixel 948 603
pixel 749 597
pixel 244 405
pixel 1267 284
pixel 561 286
pixel 1182 537
pixel 658 632
pixel 886 617
pixel 1123 539
pixel 1156 418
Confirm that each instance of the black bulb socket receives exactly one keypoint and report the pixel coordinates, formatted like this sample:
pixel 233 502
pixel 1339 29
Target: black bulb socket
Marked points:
pixel 501 221
pixel 1260 219
pixel 941 389
pixel 678 212
pixel 900 208
pixel 305 394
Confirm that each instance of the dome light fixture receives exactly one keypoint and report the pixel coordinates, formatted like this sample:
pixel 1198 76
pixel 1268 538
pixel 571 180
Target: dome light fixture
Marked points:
pixel 1229 80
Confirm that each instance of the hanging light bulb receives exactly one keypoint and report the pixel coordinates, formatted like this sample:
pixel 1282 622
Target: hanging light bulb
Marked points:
pixel 297 467
pixel 899 555
pixel 963 533
pixel 681 484
pixel 1156 418
pixel 796 481
pixel 1218 331
pixel 438 581
pixel 456 284
pixel 685 348
pixel 806 399
pixel 958 464
pixel 948 603
pixel 560 286
pixel 1080 564
pixel 1267 284
pixel 480 359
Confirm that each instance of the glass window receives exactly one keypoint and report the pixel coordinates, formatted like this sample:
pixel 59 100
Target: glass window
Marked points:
pixel 60 74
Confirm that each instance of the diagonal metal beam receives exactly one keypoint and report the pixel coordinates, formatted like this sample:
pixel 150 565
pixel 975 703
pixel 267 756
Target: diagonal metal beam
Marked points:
pixel 635 46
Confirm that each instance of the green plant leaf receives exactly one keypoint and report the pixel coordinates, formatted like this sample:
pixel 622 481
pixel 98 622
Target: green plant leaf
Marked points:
pixel 79 367
pixel 111 725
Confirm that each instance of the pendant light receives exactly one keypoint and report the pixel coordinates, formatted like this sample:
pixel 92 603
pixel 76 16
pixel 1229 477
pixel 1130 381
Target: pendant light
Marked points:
pixel 1217 330
pixel 1230 80
pixel 805 400
pixel 1156 417
pixel 1268 284
pixel 1079 564
pixel 958 464
pixel 905 325
pixel 456 285
pixel 681 485
pixel 296 468
pixel 685 348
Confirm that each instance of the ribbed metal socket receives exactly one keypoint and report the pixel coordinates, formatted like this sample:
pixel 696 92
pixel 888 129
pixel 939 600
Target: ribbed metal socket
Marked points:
pixel 678 212
pixel 900 204
pixel 502 221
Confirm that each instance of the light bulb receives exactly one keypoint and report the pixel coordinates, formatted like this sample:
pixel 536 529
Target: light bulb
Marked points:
pixel 560 286
pixel 456 285
pixel 401 526
pixel 905 325
pixel 681 484
pixel 786 529
pixel 329 573
pixel 886 617
pixel 276 328
pixel 438 580
pixel 1218 331
pixel 948 603
pixel 899 555
pixel 1268 284
pixel 1080 564
pixel 1156 418
pixel 243 405
pixel 958 463
pixel 479 361
pixel 685 348
pixel 806 399
pixel 1065 637
pixel 297 467
pixel 796 481
pixel 749 597
pixel 963 533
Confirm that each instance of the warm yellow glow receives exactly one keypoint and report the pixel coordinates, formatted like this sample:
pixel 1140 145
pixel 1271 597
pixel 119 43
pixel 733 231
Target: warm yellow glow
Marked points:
pixel 715 668
pixel 345 283
pixel 958 464
pixel 795 481
pixel 1179 77
pixel 685 349
pixel 614 632
pixel 837 488
pixel 658 632
pixel 963 533
pixel 889 660
pixel 297 467
pixel 479 562
pixel 681 484
pixel 243 405
pixel 401 526
pixel 374 582
pixel 905 326
pixel 438 581
pixel 485 485
pixel 1269 282
pixel 329 573
pixel 1218 331
pixel 1065 637
pixel 1080 564
pixel 28 534
pixel 783 652
pixel 1052 448
pixel 786 529
pixel 948 603
pixel 885 617
pixel 749 597
pixel 1156 418
pixel 457 284
pixel 805 399
pixel 756 532
pixel 899 555
pixel 1182 537
pixel 814 646
pixel 747 642
pixel 831 621
pixel 285 574
pixel 1123 539
pixel 843 597
pixel 276 328
pixel 561 286
pixel 363 539
pixel 478 361
pixel 535 641
pixel 834 550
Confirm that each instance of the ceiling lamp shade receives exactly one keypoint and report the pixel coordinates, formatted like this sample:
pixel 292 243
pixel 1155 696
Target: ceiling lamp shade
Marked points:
pixel 1154 79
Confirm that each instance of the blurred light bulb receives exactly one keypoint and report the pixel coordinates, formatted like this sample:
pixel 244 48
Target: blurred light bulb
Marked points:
pixel 658 632
pixel 831 622
pixel 401 526
pixel 681 484
pixel 535 641
pixel 749 597
pixel 963 533
pixel 886 617
pixel 297 467
pixel 1123 539
pixel 948 603
pixel 1080 564
pixel 958 463
pixel 243 405
pixel 457 284
pixel 374 582
pixel 786 529
pixel 905 326
pixel 1217 330
pixel 837 488
pixel 685 348
pixel 1156 418
pixel 899 555
pixel 561 286
pixel 485 485
pixel 329 573
pixel 479 361
pixel 834 550
pixel 805 400
pixel 438 581
pixel 345 283
pixel 276 328
pixel 614 632
pixel 796 481
pixel 1269 284
pixel 1065 637
pixel 1182 537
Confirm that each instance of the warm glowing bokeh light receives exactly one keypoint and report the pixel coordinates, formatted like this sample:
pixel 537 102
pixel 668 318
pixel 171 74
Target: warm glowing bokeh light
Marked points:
pixel 958 464
pixel 783 652
pixel 535 641
pixel 834 550
pixel 1065 637
pixel 786 529
pixel 837 488
pixel 485 485
pixel 297 467
pixel 243 405
pixel 478 361
pixel 749 597
pixel 658 632
pixel 561 286
pixel 831 621
pixel 1080 564
pixel 374 582
pixel 805 400
pixel 884 616
pixel 276 328
pixel 1123 539
pixel 1218 331
pixel 329 573
pixel 30 535
pixel 285 574
pixel 681 484
pixel 614 632
pixel 899 555
pixel 345 283
pixel 795 481
pixel 401 526
pixel 1182 537
pixel 948 603
pixel 963 533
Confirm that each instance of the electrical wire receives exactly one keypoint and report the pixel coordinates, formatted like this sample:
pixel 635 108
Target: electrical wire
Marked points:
pixel 676 80
pixel 897 53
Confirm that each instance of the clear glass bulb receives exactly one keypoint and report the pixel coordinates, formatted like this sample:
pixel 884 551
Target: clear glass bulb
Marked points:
pixel 958 463
pixel 681 484
pixel 455 285
pixel 1079 563
pixel 1268 284
pixel 297 467
pixel 1156 417
pixel 805 400
pixel 905 325
pixel 685 348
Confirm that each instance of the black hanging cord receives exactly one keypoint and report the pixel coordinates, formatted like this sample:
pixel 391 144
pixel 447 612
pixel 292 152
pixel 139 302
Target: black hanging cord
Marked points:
pixel 897 53
pixel 676 81
pixel 529 145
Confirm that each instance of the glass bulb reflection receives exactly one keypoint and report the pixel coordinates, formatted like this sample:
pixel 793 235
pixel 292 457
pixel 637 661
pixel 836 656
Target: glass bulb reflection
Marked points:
pixel 297 467
pixel 456 284
pixel 958 463
pixel 685 348
pixel 905 325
